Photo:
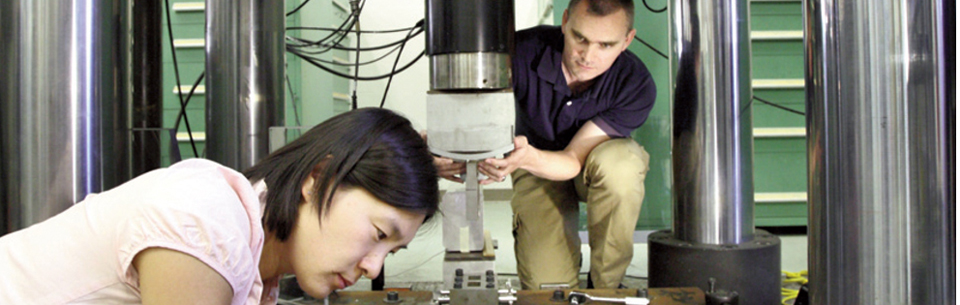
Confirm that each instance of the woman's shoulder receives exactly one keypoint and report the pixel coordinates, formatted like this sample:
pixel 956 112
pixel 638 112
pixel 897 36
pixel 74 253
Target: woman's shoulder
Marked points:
pixel 193 194
pixel 200 208
pixel 203 168
pixel 199 189
pixel 191 182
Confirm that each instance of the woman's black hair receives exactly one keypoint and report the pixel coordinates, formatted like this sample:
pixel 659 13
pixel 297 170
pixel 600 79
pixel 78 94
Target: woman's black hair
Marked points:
pixel 373 149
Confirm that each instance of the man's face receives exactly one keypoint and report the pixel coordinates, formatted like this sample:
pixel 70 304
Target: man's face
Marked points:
pixel 591 43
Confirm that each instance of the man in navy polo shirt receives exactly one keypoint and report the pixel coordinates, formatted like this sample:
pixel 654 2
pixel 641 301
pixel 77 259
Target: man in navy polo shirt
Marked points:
pixel 579 96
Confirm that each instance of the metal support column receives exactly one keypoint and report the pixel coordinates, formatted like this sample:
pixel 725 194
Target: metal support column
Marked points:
pixel 244 69
pixel 881 119
pixel 63 104
pixel 713 234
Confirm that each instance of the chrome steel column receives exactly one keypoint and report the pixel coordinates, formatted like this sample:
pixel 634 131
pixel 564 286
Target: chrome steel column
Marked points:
pixel 63 104
pixel 713 234
pixel 244 65
pixel 882 152
pixel 712 135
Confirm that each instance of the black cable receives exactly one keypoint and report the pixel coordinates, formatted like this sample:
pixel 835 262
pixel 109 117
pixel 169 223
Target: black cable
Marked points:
pixel 310 44
pixel 293 99
pixel 363 78
pixel 337 39
pixel 355 7
pixel 292 28
pixel 339 34
pixel 651 47
pixel 183 110
pixel 339 29
pixel 307 44
pixel 394 70
pixel 314 61
pixel 298 8
pixel 303 51
pixel 664 9
pixel 333 62
pixel 176 69
pixel 778 106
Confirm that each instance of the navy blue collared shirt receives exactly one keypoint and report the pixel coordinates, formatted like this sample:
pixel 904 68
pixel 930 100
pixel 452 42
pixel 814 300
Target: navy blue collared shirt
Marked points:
pixel 549 114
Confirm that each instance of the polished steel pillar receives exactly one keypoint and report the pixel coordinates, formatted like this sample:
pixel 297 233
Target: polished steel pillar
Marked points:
pixel 882 154
pixel 63 94
pixel 712 135
pixel 244 68
pixel 713 234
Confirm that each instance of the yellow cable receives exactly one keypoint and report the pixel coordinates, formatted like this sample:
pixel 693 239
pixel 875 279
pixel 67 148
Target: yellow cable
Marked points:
pixel 792 277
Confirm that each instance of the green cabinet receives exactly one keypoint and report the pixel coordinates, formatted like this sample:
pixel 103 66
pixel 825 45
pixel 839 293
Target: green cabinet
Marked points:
pixel 779 145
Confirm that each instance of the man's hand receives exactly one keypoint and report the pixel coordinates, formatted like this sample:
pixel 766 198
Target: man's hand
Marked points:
pixel 497 170
pixel 448 169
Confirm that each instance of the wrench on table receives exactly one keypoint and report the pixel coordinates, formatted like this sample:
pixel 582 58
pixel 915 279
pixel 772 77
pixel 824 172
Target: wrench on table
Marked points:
pixel 582 298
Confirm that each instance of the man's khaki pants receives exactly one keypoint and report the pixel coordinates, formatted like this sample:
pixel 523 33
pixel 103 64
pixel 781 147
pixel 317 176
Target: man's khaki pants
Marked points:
pixel 546 216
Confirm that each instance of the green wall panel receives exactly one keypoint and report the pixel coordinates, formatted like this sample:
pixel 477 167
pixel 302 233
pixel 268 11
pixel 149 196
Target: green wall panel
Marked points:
pixel 780 214
pixel 777 59
pixel 654 135
pixel 781 165
pixel 769 116
pixel 776 15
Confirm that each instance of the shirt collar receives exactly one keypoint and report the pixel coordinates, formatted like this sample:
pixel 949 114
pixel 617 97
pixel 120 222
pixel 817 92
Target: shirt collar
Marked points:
pixel 549 70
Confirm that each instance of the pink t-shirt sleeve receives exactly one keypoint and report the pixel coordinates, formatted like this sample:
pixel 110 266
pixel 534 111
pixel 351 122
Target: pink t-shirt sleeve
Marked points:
pixel 212 216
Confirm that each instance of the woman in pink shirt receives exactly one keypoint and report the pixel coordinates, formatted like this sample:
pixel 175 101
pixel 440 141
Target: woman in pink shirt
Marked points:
pixel 328 207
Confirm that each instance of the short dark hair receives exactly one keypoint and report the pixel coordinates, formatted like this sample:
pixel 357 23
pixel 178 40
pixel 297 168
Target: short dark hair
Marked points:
pixel 373 149
pixel 607 7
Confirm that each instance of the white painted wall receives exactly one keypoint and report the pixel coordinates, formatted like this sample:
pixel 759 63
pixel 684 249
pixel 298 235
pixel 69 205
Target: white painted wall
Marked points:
pixel 408 90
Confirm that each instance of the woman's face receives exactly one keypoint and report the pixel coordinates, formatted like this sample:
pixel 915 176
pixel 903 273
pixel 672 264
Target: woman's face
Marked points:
pixel 356 234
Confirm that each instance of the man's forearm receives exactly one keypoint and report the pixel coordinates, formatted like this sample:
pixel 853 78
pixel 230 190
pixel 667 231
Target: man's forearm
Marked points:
pixel 553 165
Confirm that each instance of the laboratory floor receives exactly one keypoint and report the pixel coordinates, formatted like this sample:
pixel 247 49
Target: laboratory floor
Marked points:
pixel 420 265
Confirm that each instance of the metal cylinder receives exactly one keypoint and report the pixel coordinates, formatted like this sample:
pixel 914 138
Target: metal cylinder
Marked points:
pixel 244 68
pixel 469 26
pixel 882 152
pixel 712 135
pixel 469 43
pixel 751 269
pixel 713 237
pixel 470 71
pixel 63 104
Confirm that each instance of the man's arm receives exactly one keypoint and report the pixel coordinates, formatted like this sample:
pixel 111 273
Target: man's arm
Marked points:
pixel 552 165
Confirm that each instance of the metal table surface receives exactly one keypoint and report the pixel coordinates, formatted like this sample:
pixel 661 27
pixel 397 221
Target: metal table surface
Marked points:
pixel 658 296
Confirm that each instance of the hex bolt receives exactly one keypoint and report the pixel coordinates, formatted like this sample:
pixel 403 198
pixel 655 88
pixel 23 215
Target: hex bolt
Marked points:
pixel 392 297
pixel 557 296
